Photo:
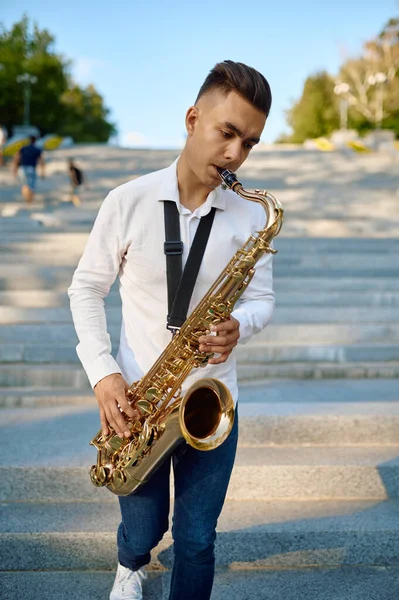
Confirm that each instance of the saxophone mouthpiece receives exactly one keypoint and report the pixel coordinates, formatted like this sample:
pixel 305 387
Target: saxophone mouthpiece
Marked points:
pixel 228 177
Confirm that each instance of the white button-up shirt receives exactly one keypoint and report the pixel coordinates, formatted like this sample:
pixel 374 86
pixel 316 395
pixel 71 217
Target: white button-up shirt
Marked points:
pixel 127 240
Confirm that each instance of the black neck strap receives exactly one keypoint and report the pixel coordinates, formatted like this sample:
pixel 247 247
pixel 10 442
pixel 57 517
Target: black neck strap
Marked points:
pixel 181 286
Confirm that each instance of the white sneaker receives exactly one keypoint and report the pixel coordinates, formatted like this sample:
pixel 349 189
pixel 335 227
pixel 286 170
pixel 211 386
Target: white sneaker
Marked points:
pixel 127 584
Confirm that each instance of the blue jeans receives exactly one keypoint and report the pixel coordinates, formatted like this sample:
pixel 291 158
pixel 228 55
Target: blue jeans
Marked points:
pixel 201 480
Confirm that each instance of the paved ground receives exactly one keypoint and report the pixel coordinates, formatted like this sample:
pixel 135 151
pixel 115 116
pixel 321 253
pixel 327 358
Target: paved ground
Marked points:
pixel 312 507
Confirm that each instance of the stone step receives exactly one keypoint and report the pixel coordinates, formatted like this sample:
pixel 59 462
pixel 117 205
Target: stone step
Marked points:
pixel 28 397
pixel 289 245
pixel 44 221
pixel 297 333
pixel 349 583
pixel 31 278
pixel 27 277
pixel 42 253
pixel 270 397
pixel 297 450
pixel 336 272
pixel 262 534
pixel 370 298
pixel 325 283
pixel 336 261
pixel 286 314
pixel 254 354
pixel 317 370
pixel 15 274
pixel 274 334
pixel 286 245
pixel 44 375
pixel 260 354
pixel 260 473
pixel 367 297
pixel 38 375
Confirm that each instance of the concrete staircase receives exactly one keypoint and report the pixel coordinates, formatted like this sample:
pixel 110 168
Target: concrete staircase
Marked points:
pixel 313 499
pixel 312 509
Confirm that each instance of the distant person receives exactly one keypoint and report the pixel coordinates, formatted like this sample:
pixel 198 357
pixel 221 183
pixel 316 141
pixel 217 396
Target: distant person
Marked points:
pixel 3 139
pixel 24 166
pixel 77 179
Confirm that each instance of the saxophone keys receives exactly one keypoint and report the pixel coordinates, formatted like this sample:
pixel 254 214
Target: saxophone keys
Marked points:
pixel 134 426
pixel 248 261
pixel 118 477
pixel 144 406
pixel 237 276
pixel 151 394
pixel 99 475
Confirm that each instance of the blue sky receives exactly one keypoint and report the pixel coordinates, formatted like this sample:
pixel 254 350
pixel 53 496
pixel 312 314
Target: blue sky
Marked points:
pixel 149 58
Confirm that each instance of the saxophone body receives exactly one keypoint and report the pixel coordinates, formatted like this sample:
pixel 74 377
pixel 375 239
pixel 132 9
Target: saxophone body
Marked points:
pixel 204 415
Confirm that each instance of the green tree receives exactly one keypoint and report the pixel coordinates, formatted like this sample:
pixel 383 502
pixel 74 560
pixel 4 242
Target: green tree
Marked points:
pixel 373 94
pixel 374 82
pixel 85 117
pixel 316 113
pixel 21 53
pixel 57 104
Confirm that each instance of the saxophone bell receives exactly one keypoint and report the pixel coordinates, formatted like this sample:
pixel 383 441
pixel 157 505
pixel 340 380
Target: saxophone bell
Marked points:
pixel 206 414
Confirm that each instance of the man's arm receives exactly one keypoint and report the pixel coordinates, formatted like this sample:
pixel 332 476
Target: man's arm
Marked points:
pixel 96 272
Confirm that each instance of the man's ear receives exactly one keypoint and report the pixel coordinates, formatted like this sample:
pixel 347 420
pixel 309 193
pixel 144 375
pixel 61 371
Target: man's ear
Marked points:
pixel 191 119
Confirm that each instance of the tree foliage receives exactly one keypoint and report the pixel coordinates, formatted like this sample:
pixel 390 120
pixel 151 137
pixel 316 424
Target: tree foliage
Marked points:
pixel 372 95
pixel 57 104
pixel 85 117
pixel 316 113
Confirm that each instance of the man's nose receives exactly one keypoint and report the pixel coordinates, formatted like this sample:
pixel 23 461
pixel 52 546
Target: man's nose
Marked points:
pixel 233 151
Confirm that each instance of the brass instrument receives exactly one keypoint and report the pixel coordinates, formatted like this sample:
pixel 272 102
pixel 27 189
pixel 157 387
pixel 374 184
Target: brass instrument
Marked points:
pixel 204 416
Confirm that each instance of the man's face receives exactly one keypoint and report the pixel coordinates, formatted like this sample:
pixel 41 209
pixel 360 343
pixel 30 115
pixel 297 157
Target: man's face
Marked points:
pixel 222 130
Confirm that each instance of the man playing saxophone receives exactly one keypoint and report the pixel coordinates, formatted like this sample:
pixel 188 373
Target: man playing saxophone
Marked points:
pixel 127 241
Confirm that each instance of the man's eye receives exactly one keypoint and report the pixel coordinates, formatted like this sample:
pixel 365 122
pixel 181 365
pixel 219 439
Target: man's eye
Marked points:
pixel 226 134
pixel 248 146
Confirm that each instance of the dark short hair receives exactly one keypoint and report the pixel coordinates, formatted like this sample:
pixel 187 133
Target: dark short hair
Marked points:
pixel 228 76
pixel 32 139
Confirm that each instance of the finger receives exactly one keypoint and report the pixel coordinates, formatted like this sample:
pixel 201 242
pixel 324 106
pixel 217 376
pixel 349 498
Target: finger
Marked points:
pixel 111 421
pixel 212 341
pixel 125 406
pixel 229 325
pixel 123 428
pixel 225 338
pixel 220 340
pixel 219 359
pixel 223 346
pixel 104 424
pixel 117 421
pixel 220 349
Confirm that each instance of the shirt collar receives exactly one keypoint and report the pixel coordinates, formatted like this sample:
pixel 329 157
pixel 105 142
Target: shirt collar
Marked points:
pixel 168 190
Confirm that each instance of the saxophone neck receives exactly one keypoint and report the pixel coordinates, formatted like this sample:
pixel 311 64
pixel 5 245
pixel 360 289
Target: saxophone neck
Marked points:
pixel 272 207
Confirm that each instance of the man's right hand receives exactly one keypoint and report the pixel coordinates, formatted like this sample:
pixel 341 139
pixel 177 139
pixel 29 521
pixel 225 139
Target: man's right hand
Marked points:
pixel 111 394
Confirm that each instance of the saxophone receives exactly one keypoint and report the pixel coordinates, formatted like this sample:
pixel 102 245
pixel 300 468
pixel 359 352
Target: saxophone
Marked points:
pixel 204 415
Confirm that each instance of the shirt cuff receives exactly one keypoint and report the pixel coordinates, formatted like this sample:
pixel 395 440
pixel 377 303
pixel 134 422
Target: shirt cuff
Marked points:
pixel 101 367
pixel 245 328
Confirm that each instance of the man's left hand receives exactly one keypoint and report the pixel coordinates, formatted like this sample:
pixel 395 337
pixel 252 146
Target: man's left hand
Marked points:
pixel 226 338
